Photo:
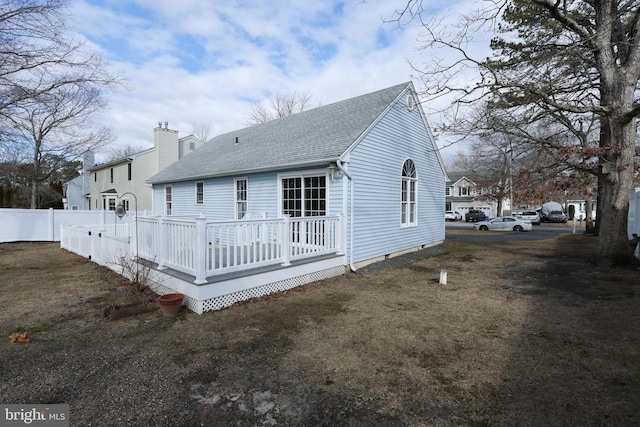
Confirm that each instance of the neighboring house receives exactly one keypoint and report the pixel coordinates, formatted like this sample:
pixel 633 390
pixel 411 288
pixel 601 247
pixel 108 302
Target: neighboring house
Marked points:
pixel 371 158
pixel 77 191
pixel 633 223
pixel 580 206
pixel 110 181
pixel 462 193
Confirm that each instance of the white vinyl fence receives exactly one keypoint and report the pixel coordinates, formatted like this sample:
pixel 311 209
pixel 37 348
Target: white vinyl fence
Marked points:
pixel 43 225
pixel 105 245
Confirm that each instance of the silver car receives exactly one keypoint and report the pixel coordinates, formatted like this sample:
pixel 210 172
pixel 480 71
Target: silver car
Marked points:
pixel 531 216
pixel 503 223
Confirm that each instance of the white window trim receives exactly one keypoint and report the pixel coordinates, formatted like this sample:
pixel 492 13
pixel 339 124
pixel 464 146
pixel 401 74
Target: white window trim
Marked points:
pixel 199 202
pixel 408 223
pixel 165 210
pixel 304 174
pixel 235 195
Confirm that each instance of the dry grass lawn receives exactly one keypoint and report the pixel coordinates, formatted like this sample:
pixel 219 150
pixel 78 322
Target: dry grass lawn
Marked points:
pixel 524 333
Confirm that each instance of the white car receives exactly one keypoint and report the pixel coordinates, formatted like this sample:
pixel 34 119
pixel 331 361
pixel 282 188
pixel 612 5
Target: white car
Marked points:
pixel 452 216
pixel 503 223
pixel 531 216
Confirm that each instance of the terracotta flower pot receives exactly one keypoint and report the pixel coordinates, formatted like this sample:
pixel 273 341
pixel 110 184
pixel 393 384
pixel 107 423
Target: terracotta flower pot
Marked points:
pixel 170 304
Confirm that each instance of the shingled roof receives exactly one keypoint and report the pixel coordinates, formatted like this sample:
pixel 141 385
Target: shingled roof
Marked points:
pixel 316 136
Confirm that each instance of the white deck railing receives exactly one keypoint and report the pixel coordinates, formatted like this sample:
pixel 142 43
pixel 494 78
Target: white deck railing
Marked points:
pixel 203 248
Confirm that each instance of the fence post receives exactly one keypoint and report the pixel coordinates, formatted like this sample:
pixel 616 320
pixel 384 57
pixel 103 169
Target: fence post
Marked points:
pixel 162 244
pixel 285 238
pixel 200 250
pixel 133 239
pixel 52 232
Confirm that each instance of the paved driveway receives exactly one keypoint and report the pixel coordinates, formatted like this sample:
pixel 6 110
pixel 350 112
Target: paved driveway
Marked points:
pixel 539 232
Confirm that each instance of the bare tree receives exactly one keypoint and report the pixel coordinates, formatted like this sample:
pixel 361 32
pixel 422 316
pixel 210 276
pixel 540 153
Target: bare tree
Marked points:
pixel 281 105
pixel 37 56
pixel 116 153
pixel 557 66
pixel 203 131
pixel 50 85
pixel 52 126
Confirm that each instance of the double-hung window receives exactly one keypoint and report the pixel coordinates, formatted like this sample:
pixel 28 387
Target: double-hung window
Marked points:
pixel 167 200
pixel 241 197
pixel 409 213
pixel 199 193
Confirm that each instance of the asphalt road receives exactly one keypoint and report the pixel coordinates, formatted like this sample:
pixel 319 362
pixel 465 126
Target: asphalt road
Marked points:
pixel 538 232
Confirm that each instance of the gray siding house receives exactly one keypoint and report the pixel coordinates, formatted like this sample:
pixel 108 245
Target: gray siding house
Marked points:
pixel 371 159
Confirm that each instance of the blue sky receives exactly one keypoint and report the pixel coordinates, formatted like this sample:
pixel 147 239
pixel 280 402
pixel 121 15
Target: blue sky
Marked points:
pixel 199 62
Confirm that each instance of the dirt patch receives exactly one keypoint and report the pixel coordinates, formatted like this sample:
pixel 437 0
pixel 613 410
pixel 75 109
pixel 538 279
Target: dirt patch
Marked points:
pixel 524 333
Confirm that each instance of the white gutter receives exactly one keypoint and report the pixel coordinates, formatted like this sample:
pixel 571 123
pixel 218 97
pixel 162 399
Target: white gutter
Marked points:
pixel 339 164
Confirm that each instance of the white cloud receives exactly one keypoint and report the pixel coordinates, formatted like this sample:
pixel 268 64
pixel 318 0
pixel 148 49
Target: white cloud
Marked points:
pixel 191 61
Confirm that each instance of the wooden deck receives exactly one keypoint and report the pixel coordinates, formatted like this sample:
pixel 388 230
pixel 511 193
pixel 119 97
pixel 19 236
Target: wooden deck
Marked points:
pixel 223 290
pixel 216 264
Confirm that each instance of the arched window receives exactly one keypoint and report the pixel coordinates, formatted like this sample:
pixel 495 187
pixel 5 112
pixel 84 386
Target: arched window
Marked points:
pixel 409 214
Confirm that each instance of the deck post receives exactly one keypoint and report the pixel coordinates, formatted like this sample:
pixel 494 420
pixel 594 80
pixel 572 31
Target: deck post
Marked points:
pixel 162 244
pixel 285 241
pixel 200 251
pixel 339 234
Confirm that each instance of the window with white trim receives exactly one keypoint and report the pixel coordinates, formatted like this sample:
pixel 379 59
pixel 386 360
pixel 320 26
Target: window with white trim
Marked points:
pixel 304 196
pixel 241 197
pixel 167 200
pixel 409 214
pixel 199 193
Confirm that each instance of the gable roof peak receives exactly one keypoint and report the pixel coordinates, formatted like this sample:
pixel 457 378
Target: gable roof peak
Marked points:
pixel 313 136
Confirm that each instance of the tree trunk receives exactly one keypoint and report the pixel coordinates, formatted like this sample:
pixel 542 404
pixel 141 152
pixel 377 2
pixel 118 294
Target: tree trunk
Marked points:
pixel 34 188
pixel 589 224
pixel 35 177
pixel 616 183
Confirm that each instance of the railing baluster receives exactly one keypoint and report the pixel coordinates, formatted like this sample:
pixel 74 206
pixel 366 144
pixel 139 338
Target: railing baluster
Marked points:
pixel 219 247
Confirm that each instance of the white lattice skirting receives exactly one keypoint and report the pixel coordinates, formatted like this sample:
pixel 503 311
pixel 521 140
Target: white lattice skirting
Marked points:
pixel 283 285
pixel 218 295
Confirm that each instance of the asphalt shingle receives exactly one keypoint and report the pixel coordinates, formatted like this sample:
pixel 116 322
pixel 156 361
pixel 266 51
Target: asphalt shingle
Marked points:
pixel 310 137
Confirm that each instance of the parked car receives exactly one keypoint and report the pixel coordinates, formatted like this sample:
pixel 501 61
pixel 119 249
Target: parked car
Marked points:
pixel 503 223
pixel 474 215
pixel 556 216
pixel 452 216
pixel 542 215
pixel 531 216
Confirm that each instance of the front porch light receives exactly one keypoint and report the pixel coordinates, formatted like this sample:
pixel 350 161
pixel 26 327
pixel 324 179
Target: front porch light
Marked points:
pixel 333 170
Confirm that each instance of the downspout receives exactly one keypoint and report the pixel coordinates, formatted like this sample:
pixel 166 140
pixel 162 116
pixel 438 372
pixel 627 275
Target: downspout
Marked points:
pixel 351 183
